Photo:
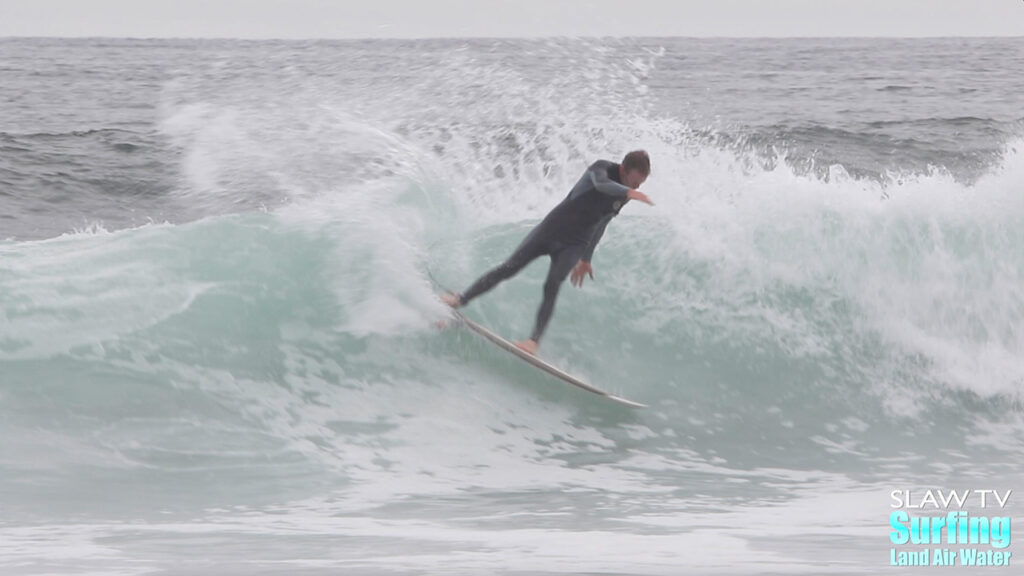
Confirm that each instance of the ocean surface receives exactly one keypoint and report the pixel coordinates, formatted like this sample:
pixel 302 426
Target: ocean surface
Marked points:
pixel 218 341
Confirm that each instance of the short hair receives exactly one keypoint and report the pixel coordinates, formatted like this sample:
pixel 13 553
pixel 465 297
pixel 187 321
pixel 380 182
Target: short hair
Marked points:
pixel 637 160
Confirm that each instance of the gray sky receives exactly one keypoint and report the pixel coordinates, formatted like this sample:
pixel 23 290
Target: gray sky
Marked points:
pixel 462 18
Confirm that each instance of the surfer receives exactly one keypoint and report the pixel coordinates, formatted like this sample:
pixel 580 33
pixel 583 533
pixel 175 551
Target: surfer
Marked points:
pixel 569 234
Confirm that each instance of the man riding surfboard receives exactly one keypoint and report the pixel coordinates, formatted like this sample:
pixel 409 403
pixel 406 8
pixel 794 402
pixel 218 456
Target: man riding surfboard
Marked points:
pixel 568 234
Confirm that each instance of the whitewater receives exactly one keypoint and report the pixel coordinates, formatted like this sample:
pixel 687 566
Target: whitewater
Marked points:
pixel 218 341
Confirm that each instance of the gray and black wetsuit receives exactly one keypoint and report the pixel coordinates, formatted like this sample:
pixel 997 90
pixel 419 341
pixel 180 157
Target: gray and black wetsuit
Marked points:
pixel 569 233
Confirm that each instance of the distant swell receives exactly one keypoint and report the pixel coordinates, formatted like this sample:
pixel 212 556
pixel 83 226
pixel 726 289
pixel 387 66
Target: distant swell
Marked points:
pixel 107 132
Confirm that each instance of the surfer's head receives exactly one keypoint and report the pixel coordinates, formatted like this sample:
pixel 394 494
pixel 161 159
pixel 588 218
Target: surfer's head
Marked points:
pixel 636 167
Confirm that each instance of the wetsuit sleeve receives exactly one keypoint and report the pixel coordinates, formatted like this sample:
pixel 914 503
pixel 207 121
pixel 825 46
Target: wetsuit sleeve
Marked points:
pixel 598 233
pixel 605 185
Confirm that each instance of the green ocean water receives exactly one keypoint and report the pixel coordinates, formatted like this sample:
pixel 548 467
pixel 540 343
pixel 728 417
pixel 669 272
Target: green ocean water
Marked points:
pixel 218 350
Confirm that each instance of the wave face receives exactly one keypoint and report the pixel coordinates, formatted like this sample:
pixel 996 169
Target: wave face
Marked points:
pixel 219 330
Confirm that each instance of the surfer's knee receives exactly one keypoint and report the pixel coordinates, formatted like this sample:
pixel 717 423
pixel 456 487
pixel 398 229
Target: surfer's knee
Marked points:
pixel 551 287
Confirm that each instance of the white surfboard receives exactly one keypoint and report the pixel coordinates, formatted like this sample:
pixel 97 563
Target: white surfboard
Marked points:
pixel 541 364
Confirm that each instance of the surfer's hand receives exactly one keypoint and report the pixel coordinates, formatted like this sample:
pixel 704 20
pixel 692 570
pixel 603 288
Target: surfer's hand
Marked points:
pixel 639 196
pixel 582 269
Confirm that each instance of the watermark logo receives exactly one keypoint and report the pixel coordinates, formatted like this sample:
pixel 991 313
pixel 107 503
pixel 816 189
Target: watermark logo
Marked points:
pixel 922 536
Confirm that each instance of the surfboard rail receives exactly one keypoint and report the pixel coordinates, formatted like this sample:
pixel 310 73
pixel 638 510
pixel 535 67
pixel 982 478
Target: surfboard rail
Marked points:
pixel 538 362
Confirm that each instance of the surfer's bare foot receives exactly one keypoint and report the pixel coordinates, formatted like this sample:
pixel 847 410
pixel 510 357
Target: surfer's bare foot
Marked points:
pixel 528 346
pixel 451 299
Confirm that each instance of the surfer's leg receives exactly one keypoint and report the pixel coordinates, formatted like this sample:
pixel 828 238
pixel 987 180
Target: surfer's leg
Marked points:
pixel 528 250
pixel 562 262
